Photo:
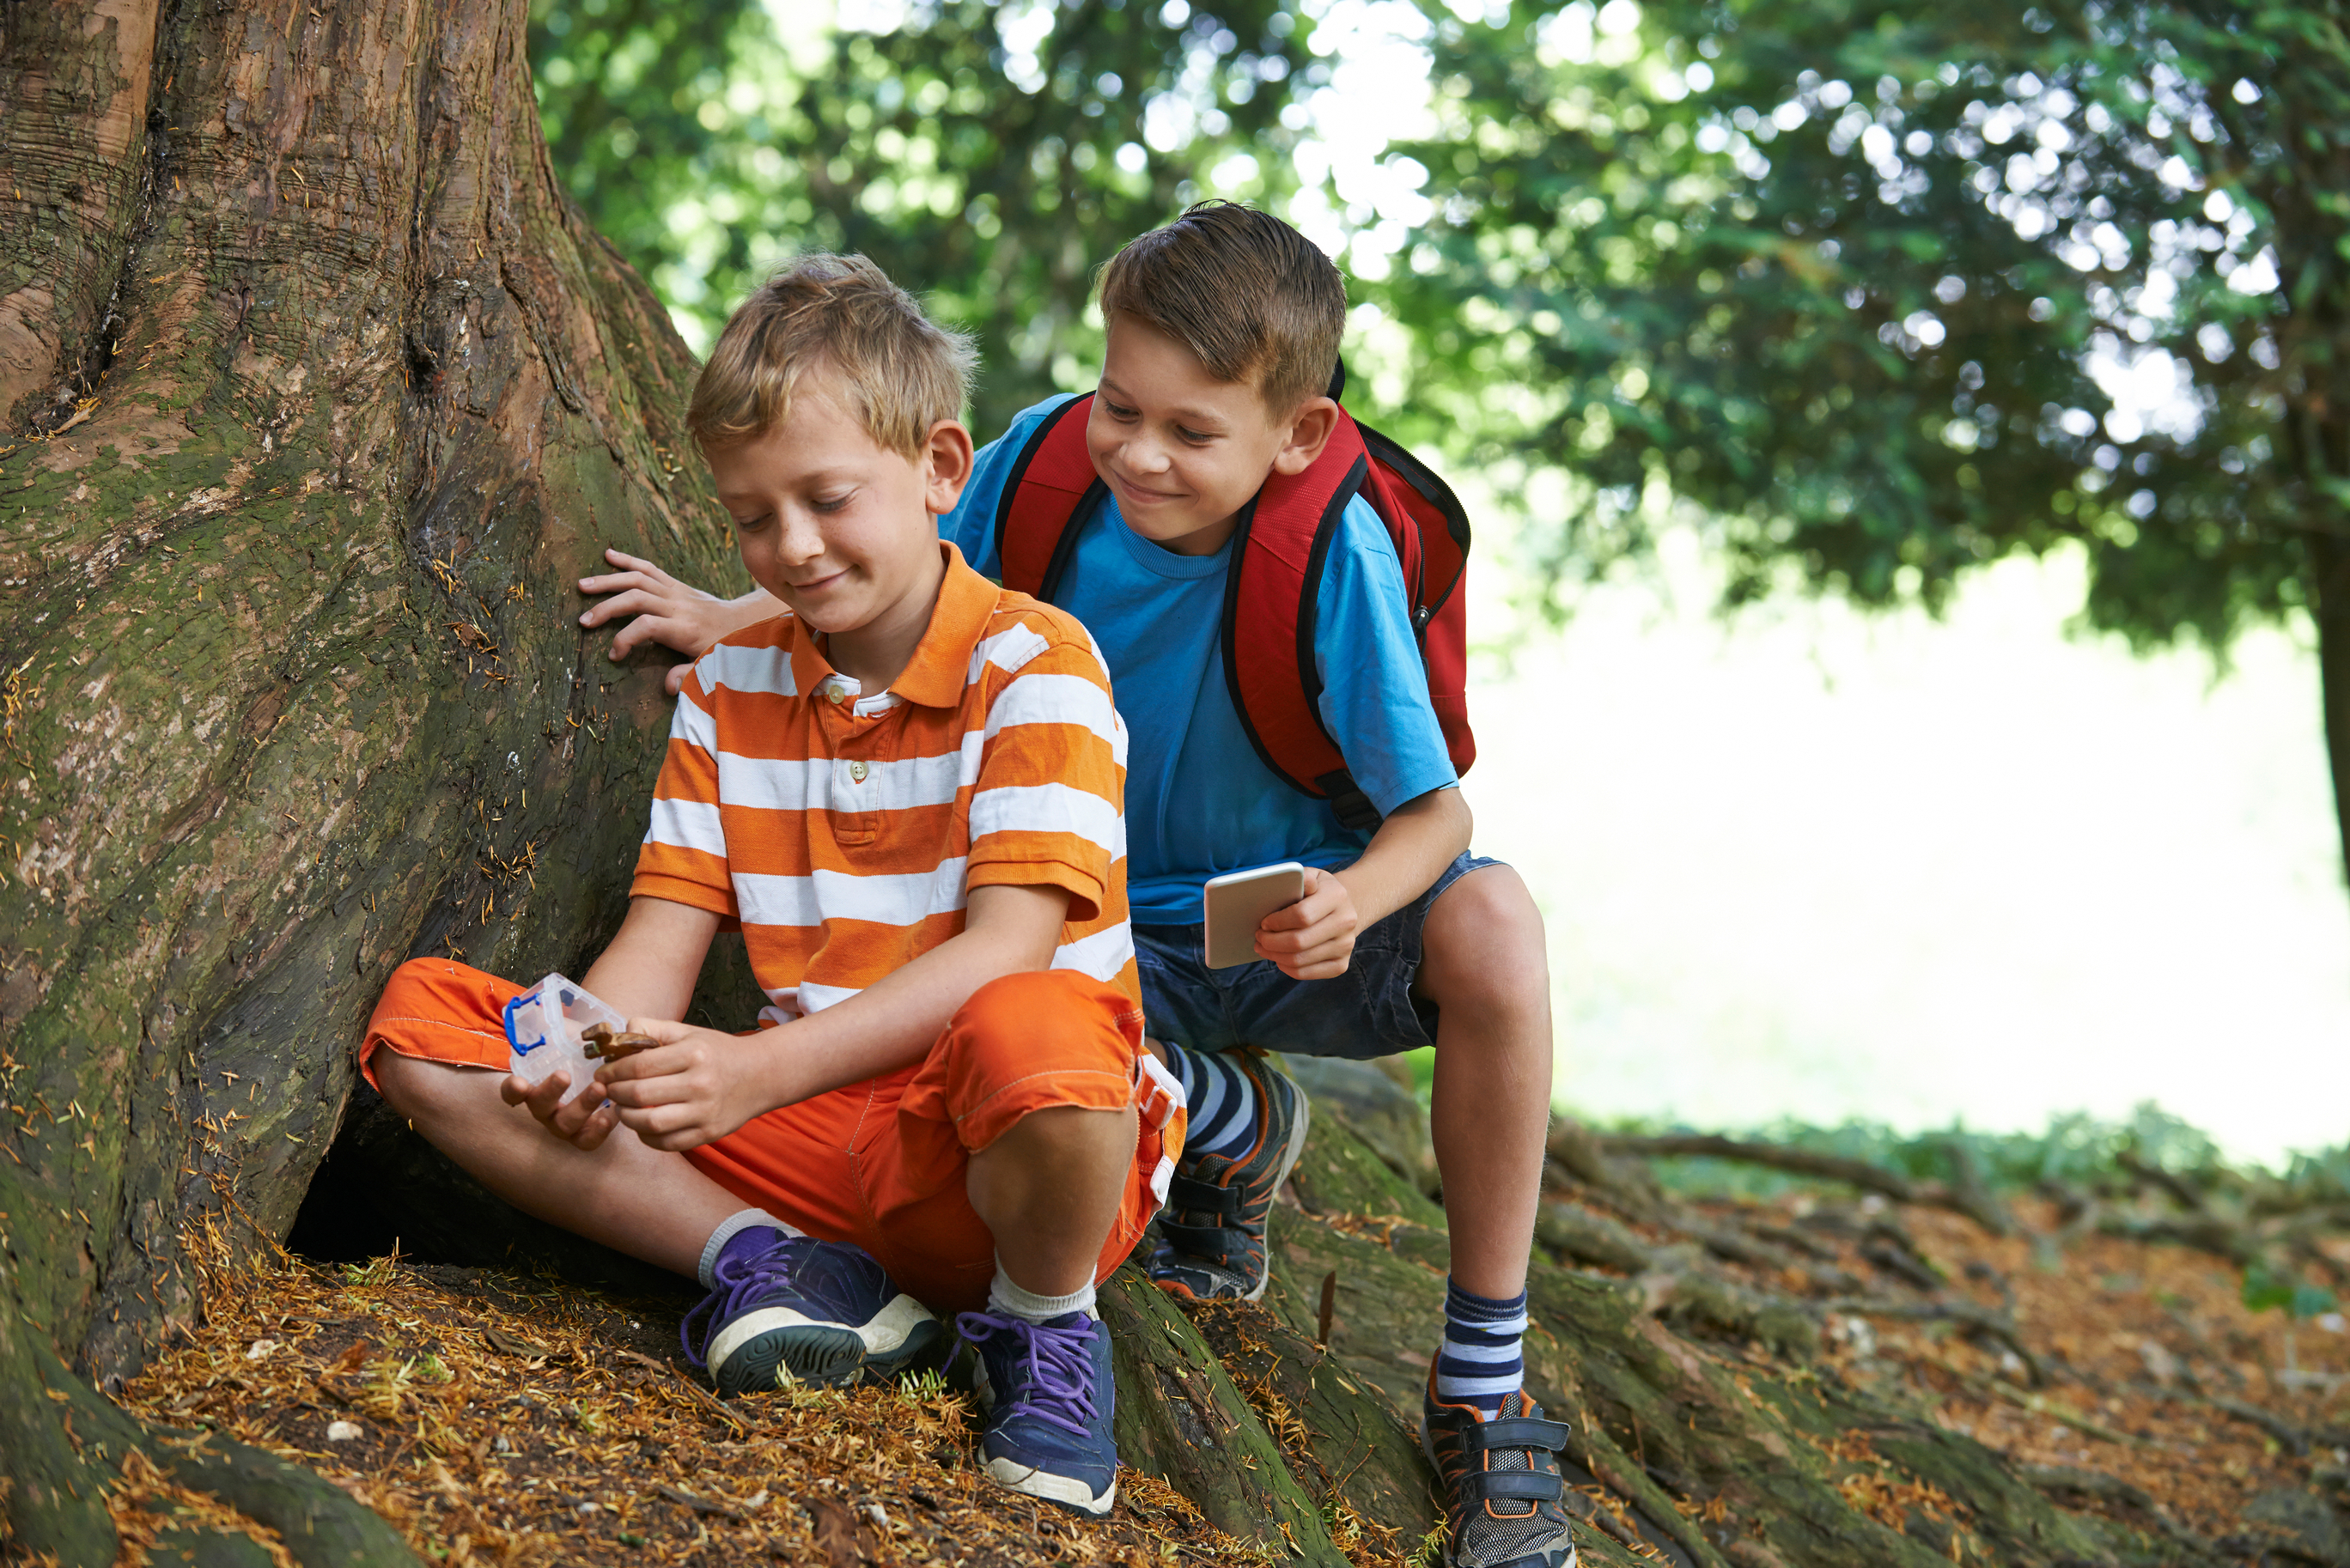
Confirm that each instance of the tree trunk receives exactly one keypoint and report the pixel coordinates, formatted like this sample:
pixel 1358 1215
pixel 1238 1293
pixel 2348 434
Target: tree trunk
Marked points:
pixel 320 397
pixel 2329 572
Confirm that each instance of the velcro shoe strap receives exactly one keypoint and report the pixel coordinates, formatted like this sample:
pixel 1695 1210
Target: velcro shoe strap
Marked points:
pixel 1207 1241
pixel 1192 1195
pixel 1528 1486
pixel 1515 1432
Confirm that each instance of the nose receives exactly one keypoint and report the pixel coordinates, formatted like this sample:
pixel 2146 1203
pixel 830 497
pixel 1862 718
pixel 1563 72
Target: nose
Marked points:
pixel 797 538
pixel 1146 456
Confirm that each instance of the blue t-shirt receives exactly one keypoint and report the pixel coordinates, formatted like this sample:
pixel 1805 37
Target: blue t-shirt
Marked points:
pixel 1199 800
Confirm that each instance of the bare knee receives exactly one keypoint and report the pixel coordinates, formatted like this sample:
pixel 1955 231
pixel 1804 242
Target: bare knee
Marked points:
pixel 1053 1157
pixel 424 1091
pixel 1483 947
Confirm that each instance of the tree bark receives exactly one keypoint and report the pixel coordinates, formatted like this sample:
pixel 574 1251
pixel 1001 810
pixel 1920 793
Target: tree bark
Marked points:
pixel 318 397
pixel 2329 572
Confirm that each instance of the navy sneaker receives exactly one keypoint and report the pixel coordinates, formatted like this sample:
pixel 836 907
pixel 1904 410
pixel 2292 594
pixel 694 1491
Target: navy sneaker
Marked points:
pixel 1210 1242
pixel 804 1311
pixel 1048 1398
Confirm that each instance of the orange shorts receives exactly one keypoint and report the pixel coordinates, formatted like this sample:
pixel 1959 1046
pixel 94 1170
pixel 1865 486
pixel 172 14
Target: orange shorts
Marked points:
pixel 880 1164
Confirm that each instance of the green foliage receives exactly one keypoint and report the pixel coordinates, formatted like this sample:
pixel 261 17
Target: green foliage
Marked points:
pixel 2266 1288
pixel 1837 273
pixel 2075 1149
pixel 989 156
pixel 2322 1176
pixel 632 97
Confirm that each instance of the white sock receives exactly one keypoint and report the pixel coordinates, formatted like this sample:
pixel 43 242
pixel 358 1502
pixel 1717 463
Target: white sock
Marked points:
pixel 728 1229
pixel 1009 1300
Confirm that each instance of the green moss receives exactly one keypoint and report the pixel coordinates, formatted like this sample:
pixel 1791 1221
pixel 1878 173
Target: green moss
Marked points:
pixel 1338 1173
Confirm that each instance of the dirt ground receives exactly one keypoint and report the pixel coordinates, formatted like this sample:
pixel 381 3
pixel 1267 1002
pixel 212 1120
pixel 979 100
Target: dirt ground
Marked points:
pixel 2150 1392
pixel 501 1420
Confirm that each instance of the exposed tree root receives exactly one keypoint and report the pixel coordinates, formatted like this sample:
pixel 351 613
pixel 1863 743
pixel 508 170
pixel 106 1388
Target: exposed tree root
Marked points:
pixel 1966 1194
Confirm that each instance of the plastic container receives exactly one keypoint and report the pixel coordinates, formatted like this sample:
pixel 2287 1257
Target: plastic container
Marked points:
pixel 543 1027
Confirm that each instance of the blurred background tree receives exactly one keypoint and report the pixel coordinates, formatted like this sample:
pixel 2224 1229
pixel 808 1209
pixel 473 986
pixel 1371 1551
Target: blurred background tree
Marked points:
pixel 1888 292
pixel 989 156
pixel 1876 295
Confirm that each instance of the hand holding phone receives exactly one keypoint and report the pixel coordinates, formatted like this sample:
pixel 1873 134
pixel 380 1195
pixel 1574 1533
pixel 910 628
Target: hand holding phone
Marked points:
pixel 1238 902
pixel 1313 938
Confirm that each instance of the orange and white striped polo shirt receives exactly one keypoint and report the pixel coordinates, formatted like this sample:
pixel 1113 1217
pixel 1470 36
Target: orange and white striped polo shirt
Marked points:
pixel 845 831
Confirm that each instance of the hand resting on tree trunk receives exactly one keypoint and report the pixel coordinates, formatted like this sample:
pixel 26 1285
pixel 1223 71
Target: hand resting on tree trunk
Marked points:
pixel 668 612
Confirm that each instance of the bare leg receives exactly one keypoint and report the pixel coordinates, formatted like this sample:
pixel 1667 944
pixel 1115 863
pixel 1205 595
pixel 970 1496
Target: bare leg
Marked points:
pixel 648 1204
pixel 1049 1190
pixel 1486 969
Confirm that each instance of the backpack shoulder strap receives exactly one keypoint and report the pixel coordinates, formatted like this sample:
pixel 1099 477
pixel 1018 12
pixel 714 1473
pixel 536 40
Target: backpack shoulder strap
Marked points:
pixel 1052 485
pixel 1271 612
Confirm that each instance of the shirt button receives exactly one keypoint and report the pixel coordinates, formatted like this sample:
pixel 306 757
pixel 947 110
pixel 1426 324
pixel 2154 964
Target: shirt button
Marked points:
pixel 857 772
pixel 838 696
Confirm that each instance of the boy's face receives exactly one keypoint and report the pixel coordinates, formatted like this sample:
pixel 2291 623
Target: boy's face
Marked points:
pixel 1182 450
pixel 837 526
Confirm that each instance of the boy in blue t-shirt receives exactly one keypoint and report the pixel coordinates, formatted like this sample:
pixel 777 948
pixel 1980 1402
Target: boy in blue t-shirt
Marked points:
pixel 1224 330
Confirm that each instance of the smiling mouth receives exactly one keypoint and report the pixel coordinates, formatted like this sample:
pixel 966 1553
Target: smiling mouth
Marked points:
pixel 1144 493
pixel 815 583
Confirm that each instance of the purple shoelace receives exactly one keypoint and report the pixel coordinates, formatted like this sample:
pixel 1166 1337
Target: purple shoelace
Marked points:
pixel 1060 1367
pixel 740 1282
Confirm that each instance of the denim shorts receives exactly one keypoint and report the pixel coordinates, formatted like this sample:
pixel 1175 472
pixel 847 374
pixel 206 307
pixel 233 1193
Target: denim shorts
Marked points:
pixel 1370 1011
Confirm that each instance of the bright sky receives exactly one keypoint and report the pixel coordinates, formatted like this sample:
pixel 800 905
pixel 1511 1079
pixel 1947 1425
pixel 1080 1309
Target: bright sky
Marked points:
pixel 1820 865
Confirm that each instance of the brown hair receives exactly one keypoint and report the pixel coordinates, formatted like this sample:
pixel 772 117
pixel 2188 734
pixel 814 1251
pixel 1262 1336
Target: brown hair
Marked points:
pixel 902 371
pixel 1245 292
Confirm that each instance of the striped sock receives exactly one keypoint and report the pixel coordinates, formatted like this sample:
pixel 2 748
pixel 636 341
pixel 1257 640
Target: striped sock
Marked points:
pixel 1484 1361
pixel 1223 1102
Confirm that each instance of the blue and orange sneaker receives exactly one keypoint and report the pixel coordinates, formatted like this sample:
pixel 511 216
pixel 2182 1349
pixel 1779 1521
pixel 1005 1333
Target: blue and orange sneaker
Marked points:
pixel 804 1311
pixel 1211 1244
pixel 1048 1398
pixel 1502 1486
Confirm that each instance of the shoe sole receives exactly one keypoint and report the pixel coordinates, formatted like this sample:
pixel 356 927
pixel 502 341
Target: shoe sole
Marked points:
pixel 1067 1492
pixel 776 1348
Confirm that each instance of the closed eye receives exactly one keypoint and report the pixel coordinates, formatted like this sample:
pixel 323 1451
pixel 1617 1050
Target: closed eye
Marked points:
pixel 827 504
pixel 1197 437
pixel 1115 412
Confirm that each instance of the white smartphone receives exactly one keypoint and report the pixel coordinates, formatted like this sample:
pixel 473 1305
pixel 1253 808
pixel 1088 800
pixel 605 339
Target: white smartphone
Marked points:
pixel 1238 902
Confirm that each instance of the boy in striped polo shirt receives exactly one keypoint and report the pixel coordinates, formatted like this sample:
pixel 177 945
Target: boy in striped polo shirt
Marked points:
pixel 906 789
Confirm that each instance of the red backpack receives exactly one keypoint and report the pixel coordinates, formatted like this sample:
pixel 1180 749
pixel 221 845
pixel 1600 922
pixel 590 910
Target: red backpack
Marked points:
pixel 1269 589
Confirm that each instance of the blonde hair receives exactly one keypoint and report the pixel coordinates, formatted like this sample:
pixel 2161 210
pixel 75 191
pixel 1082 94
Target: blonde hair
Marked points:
pixel 902 372
pixel 1245 292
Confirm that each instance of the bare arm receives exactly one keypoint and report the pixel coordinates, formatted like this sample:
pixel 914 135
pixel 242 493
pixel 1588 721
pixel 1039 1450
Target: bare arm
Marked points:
pixel 1407 854
pixel 1314 939
pixel 700 1085
pixel 650 968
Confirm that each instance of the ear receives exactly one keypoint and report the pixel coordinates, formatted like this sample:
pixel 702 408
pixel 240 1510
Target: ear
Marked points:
pixel 1310 430
pixel 947 464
